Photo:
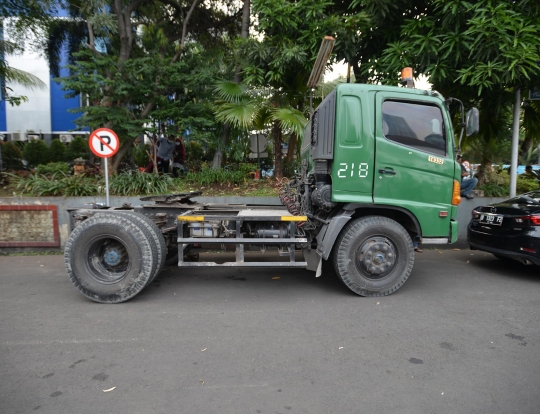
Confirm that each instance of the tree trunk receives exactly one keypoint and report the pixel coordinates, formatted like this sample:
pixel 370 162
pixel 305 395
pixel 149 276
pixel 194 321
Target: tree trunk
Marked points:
pixel 218 155
pixel 278 163
pixel 482 173
pixel 292 147
pixel 124 148
pixel 244 34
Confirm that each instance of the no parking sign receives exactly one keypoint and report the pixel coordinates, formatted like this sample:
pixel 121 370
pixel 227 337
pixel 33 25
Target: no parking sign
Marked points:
pixel 104 142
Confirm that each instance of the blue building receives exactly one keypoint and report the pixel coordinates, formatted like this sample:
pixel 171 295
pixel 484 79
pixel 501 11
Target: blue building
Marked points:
pixel 45 115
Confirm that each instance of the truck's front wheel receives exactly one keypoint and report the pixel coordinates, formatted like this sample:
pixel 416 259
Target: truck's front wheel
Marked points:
pixel 374 256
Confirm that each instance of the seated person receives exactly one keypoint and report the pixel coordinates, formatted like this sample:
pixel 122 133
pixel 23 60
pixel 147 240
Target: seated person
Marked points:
pixel 468 184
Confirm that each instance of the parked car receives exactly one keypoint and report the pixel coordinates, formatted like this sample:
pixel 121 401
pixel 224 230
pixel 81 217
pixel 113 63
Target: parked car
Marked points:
pixel 509 229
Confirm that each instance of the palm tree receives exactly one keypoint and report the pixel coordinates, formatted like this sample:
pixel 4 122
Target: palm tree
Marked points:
pixel 258 109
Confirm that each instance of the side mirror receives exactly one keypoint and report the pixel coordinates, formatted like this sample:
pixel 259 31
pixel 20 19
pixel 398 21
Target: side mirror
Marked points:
pixel 472 122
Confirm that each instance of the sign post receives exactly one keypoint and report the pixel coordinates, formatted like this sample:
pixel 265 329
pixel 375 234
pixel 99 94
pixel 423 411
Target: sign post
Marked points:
pixel 104 143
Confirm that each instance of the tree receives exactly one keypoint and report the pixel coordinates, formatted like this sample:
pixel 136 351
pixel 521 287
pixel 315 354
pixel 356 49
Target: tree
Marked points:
pixel 277 67
pixel 11 156
pixel 36 152
pixel 135 63
pixel 78 148
pixel 479 52
pixel 57 151
pixel 244 35
pixel 252 110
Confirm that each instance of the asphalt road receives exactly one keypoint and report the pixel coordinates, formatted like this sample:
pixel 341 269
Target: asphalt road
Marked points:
pixel 462 336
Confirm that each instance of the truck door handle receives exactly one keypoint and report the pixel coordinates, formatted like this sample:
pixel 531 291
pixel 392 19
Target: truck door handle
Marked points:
pixel 383 171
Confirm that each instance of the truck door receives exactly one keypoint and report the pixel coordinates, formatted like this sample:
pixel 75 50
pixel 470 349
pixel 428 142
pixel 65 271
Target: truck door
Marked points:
pixel 414 162
pixel 352 168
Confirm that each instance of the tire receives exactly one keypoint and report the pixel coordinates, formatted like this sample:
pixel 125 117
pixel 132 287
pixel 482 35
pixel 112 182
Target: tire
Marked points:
pixel 110 258
pixel 148 226
pixel 368 237
pixel 156 235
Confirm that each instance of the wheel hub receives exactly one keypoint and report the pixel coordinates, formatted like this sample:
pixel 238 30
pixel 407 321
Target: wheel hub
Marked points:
pixel 376 257
pixel 111 257
pixel 107 260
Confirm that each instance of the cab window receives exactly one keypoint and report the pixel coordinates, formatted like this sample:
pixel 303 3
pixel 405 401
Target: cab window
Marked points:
pixel 415 125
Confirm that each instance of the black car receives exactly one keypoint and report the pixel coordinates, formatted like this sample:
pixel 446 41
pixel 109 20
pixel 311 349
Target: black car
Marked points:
pixel 509 229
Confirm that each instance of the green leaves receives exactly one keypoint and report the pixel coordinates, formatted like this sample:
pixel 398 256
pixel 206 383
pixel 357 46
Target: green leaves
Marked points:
pixel 230 91
pixel 239 113
pixel 290 119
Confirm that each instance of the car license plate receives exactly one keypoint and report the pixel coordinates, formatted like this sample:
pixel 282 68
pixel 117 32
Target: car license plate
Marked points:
pixel 493 219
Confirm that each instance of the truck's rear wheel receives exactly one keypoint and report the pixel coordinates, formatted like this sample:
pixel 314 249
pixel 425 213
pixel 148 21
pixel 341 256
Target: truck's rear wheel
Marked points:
pixel 109 258
pixel 374 256
pixel 149 226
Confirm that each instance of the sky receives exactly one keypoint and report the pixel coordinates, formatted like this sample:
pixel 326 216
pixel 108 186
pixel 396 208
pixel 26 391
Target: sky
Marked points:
pixel 340 69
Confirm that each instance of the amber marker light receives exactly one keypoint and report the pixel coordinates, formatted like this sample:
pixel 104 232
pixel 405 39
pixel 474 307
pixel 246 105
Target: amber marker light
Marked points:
pixel 456 198
pixel 406 74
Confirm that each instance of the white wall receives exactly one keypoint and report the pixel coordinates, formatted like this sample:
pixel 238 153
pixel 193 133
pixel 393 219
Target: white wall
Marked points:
pixel 35 114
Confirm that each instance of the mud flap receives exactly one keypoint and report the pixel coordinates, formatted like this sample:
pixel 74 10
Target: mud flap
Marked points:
pixel 314 261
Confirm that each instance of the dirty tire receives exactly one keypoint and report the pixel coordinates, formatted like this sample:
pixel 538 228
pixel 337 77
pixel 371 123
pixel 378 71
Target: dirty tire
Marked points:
pixel 157 236
pixel 110 258
pixel 149 227
pixel 373 256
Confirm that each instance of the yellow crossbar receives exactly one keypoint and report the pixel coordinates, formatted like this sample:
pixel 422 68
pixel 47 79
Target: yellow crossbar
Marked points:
pixel 293 218
pixel 190 218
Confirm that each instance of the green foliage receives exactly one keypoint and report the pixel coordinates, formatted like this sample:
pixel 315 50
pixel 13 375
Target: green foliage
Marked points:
pixel 58 184
pixel 494 190
pixel 238 150
pixel 526 185
pixel 462 48
pixel 57 151
pixel 139 183
pixel 247 168
pixel 11 156
pixel 290 168
pixel 194 150
pixel 81 186
pixel 140 155
pixel 36 152
pixel 78 148
pixel 497 183
pixel 52 168
pixel 208 176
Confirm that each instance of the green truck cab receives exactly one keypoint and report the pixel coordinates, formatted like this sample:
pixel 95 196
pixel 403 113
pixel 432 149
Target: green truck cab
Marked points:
pixel 379 172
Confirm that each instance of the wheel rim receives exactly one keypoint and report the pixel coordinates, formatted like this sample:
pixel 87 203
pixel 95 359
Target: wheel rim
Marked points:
pixel 107 260
pixel 376 257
